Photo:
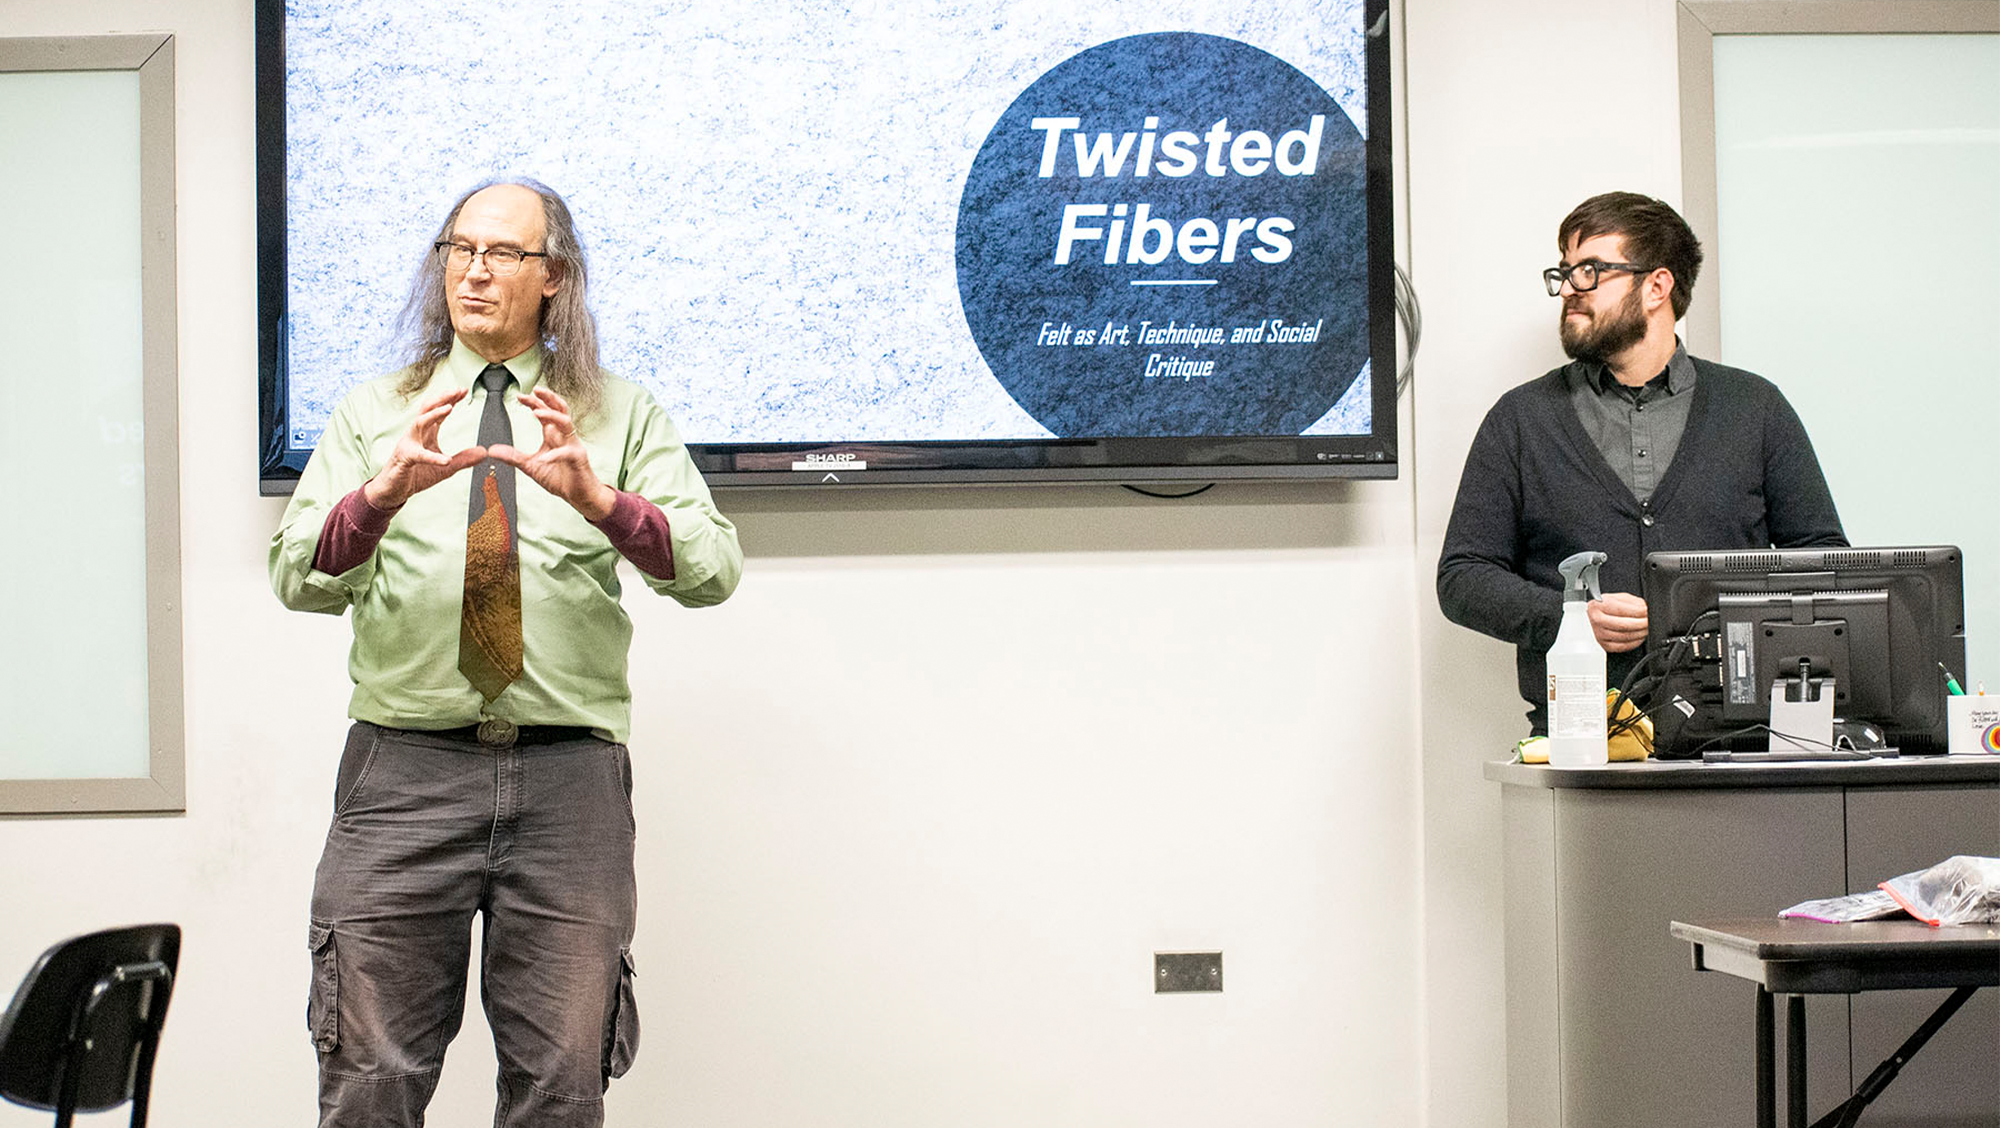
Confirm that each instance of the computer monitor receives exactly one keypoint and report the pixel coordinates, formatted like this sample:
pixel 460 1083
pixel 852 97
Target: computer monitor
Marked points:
pixel 1726 626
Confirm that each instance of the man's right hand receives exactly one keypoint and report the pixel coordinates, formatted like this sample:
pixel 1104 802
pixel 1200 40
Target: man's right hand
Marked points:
pixel 1618 619
pixel 417 464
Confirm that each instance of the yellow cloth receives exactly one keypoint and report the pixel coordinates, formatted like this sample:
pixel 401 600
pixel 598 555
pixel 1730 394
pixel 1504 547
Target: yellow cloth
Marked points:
pixel 1634 744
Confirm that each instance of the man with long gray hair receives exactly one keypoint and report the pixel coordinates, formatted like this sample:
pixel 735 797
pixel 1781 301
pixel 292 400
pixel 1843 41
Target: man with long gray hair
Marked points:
pixel 486 771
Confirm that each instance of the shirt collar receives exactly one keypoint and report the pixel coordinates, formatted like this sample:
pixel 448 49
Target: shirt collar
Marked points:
pixel 1680 372
pixel 463 366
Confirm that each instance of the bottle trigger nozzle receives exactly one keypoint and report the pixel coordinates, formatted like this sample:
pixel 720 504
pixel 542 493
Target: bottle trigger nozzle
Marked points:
pixel 1579 573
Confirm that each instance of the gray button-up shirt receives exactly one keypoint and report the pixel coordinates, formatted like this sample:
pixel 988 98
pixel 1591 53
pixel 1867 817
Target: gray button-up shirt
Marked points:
pixel 1636 429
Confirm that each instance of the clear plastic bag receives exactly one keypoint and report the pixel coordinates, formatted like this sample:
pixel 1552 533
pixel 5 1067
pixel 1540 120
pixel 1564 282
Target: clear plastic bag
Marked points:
pixel 1960 890
pixel 1872 905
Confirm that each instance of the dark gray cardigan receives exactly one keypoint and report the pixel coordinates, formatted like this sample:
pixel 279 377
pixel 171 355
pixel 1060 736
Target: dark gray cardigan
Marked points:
pixel 1535 490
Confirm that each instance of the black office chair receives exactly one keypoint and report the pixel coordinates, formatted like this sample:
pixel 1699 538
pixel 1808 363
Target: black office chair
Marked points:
pixel 82 1031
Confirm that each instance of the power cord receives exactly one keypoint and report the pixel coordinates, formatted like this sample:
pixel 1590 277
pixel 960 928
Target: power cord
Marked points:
pixel 1639 689
pixel 1411 314
pixel 1748 730
pixel 1173 497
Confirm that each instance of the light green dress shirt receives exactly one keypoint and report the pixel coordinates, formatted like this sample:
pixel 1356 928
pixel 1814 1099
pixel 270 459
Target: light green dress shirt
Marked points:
pixel 407 596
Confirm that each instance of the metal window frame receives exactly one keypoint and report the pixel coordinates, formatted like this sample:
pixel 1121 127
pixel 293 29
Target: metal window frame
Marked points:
pixel 1699 22
pixel 164 788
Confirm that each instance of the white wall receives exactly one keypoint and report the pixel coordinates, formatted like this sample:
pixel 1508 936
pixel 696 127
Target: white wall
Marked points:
pixel 1518 111
pixel 915 807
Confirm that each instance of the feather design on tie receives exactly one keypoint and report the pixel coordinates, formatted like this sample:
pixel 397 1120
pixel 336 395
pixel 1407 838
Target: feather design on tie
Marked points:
pixel 490 636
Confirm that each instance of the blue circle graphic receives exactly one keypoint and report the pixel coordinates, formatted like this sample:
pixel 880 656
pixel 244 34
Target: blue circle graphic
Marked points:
pixel 1165 235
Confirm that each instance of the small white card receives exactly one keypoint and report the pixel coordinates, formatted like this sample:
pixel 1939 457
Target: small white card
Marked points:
pixel 1973 721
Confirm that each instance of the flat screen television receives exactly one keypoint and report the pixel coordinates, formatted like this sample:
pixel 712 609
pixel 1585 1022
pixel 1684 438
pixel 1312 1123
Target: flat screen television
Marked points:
pixel 1725 626
pixel 897 242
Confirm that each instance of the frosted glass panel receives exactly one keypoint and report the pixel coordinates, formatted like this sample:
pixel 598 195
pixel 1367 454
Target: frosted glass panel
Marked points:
pixel 73 662
pixel 1858 201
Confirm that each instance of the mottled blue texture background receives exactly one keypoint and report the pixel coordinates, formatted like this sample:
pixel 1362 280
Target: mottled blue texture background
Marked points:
pixel 1011 221
pixel 769 192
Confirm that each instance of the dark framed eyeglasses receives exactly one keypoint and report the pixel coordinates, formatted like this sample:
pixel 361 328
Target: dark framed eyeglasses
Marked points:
pixel 1584 276
pixel 499 260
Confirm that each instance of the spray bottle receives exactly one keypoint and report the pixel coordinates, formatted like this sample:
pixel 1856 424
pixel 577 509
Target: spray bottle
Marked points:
pixel 1577 728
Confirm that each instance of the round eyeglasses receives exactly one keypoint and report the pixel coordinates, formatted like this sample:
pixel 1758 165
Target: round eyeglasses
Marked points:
pixel 499 260
pixel 1583 277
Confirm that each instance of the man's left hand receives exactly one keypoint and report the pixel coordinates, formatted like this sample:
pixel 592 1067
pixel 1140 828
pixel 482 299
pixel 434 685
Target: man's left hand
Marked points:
pixel 1618 619
pixel 562 466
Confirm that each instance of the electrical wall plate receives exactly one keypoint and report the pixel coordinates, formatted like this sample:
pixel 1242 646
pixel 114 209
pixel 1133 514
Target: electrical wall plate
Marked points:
pixel 1175 972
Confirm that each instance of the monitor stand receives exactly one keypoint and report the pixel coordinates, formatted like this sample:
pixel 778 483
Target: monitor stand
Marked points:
pixel 1801 726
pixel 1802 714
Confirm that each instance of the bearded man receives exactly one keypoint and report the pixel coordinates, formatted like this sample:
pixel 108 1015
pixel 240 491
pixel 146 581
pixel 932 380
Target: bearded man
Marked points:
pixel 1633 447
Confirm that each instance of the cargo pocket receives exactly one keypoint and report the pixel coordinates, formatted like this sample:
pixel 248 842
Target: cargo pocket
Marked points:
pixel 323 1003
pixel 621 1036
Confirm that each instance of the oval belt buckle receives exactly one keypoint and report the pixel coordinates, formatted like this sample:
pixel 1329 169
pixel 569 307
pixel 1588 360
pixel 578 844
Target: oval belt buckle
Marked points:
pixel 496 733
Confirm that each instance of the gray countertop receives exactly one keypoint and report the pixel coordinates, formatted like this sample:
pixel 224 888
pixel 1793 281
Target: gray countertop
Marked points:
pixel 1973 768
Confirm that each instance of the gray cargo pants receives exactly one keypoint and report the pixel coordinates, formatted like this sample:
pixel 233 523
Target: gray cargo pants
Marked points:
pixel 427 831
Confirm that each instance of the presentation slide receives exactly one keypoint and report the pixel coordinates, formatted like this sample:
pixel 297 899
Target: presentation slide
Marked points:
pixel 866 222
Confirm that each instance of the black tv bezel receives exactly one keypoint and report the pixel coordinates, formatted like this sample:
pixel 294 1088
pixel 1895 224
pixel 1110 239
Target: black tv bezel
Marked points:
pixel 1679 587
pixel 1108 459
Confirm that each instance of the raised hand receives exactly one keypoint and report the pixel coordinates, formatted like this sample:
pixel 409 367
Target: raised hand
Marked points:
pixel 562 466
pixel 417 464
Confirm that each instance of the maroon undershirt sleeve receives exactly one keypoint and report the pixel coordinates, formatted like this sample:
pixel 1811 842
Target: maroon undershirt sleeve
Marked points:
pixel 637 528
pixel 350 534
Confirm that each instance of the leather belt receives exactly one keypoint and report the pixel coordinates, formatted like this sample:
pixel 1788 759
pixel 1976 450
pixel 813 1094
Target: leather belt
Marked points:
pixel 507 734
